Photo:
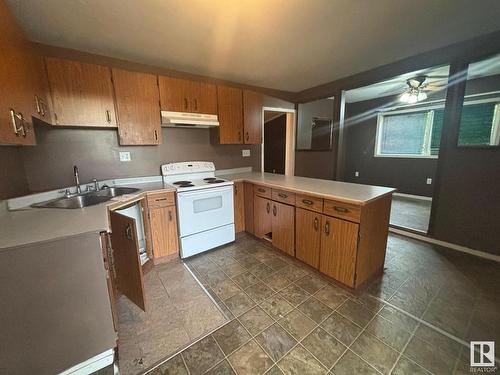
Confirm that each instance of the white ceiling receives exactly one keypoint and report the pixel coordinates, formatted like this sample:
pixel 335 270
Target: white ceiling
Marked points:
pixel 283 44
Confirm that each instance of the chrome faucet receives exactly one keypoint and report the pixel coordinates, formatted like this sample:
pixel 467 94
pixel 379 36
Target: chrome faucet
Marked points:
pixel 77 180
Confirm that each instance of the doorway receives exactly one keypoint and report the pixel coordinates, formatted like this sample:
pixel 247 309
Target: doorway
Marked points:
pixel 278 150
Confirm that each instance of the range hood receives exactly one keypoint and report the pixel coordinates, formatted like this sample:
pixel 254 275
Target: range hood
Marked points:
pixel 188 120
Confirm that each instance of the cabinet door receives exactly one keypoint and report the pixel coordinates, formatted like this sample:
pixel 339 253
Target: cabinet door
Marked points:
pixel 307 236
pixel 339 244
pixel 206 100
pixel 230 103
pixel 239 206
pixel 249 224
pixel 283 227
pixel 127 263
pixel 164 235
pixel 252 117
pixel 177 95
pixel 16 83
pixel 82 94
pixel 137 107
pixel 262 216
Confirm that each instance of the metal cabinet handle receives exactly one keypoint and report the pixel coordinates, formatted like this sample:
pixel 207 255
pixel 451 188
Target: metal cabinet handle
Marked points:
pixel 268 207
pixel 156 135
pixel 274 209
pixel 307 201
pixel 281 195
pixel 185 103
pixel 239 136
pixel 248 137
pixel 316 224
pixel 327 227
pixel 341 209
pixel 260 190
pixel 170 215
pixel 128 232
pixel 235 189
pixel 37 105
pixel 196 104
pixel 108 116
pixel 160 199
pixel 15 116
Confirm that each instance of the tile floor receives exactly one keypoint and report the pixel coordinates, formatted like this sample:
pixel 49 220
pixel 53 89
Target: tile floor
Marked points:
pixel 287 318
pixel 410 213
pixel 178 311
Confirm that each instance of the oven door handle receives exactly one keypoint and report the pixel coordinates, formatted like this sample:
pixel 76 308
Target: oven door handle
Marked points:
pixel 205 191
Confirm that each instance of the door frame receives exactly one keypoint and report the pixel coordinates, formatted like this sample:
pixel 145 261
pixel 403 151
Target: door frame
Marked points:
pixel 289 142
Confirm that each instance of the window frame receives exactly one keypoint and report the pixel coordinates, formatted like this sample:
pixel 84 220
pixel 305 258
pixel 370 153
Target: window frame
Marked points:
pixel 494 138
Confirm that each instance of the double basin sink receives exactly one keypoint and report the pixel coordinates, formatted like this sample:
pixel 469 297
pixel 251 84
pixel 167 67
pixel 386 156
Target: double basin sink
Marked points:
pixel 86 199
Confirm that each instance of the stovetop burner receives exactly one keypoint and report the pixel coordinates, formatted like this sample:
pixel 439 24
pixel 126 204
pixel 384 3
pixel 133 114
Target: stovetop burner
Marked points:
pixel 180 183
pixel 215 181
pixel 208 179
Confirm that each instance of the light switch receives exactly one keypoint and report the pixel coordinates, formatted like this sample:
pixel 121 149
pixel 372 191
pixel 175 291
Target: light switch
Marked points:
pixel 356 174
pixel 125 156
pixel 245 153
pixel 429 181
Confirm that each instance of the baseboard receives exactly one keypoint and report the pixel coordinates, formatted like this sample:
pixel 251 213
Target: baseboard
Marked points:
pixel 420 197
pixel 452 246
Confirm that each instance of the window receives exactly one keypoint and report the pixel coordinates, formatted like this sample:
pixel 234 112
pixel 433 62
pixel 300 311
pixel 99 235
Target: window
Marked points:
pixel 405 134
pixel 415 134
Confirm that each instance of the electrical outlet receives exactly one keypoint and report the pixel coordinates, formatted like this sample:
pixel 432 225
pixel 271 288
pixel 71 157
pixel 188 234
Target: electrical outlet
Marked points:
pixel 125 156
pixel 429 181
pixel 356 174
pixel 245 153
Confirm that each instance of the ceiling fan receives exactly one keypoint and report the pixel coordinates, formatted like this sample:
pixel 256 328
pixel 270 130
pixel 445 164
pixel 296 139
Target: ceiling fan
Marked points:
pixel 417 88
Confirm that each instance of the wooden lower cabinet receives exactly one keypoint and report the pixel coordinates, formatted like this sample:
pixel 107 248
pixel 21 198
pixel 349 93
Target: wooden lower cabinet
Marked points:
pixel 262 216
pixel 239 207
pixel 249 224
pixel 307 236
pixel 339 244
pixel 283 227
pixel 163 224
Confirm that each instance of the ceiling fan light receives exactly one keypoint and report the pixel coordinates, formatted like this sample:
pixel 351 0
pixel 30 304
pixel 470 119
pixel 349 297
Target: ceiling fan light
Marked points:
pixel 421 96
pixel 412 99
pixel 405 97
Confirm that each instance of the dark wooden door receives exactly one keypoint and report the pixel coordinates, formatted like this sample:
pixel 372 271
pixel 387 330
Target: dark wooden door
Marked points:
pixel 137 106
pixel 127 263
pixel 274 145
pixel 339 244
pixel 283 227
pixel 307 236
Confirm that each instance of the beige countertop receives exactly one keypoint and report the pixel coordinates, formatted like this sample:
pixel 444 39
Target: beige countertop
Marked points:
pixel 33 225
pixel 336 190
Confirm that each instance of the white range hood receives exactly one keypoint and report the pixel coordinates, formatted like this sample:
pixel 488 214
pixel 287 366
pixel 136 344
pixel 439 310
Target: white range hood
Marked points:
pixel 188 120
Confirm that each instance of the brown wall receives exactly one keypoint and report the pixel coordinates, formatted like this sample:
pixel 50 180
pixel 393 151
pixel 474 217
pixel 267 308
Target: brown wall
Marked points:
pixel 49 165
pixel 13 182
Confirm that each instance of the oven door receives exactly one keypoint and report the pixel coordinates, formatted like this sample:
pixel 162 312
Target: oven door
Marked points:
pixel 204 209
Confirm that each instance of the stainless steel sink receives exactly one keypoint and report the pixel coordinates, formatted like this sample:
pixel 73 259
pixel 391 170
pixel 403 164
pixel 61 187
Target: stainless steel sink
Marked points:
pixel 86 199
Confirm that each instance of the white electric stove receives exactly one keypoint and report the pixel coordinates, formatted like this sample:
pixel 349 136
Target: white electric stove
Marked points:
pixel 204 206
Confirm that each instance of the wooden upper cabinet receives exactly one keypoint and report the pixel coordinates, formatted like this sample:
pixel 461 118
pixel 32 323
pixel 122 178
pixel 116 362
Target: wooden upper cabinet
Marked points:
pixel 82 94
pixel 181 95
pixel 137 105
pixel 339 245
pixel 252 117
pixel 17 83
pixel 230 104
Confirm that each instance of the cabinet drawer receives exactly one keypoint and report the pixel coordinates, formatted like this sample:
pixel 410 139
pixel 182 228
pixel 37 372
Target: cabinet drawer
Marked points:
pixel 283 196
pixel 342 210
pixel 158 200
pixel 308 202
pixel 262 191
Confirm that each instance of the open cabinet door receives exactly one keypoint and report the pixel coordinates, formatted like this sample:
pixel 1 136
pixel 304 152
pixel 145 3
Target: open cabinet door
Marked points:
pixel 128 269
